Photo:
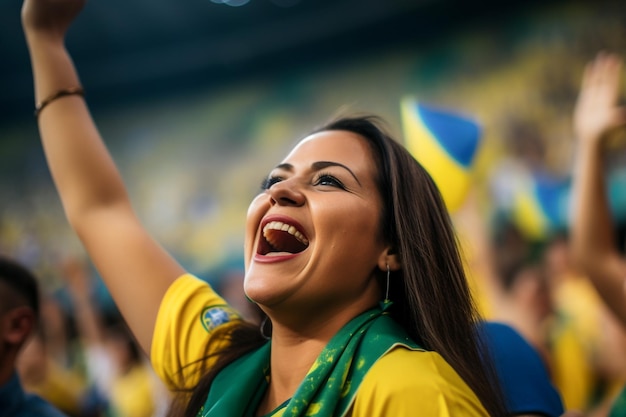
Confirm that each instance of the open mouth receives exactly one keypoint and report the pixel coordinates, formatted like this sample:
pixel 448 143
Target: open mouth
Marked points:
pixel 281 237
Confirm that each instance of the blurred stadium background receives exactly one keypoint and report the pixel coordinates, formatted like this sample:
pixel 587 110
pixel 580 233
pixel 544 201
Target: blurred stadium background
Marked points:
pixel 198 100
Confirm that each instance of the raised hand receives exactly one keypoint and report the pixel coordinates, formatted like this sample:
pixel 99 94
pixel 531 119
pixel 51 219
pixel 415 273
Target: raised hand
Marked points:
pixel 135 268
pixel 50 18
pixel 597 112
pixel 597 115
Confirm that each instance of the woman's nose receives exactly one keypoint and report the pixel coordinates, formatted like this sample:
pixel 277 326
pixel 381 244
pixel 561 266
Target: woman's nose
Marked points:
pixel 286 192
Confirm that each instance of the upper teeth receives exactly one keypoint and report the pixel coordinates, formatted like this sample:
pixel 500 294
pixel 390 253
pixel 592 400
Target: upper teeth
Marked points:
pixel 275 225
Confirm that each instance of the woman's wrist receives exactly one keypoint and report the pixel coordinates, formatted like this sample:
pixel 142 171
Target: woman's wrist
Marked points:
pixel 52 66
pixel 592 141
pixel 37 38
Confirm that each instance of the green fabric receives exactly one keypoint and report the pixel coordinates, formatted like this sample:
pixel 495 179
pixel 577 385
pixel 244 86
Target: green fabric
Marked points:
pixel 618 409
pixel 329 387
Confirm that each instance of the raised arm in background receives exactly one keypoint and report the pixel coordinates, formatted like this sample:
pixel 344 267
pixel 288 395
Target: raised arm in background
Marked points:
pixel 594 243
pixel 136 269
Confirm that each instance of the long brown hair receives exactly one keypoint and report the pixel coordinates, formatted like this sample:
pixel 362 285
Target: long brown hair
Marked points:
pixel 430 294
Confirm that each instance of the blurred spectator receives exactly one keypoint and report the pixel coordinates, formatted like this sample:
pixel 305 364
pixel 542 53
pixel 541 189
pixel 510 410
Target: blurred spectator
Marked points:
pixel 42 374
pixel 118 371
pixel 588 345
pixel 598 115
pixel 19 310
pixel 516 309
pixel 527 303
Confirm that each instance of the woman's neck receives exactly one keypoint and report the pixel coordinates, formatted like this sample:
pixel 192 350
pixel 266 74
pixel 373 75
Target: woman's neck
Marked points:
pixel 294 351
pixel 290 361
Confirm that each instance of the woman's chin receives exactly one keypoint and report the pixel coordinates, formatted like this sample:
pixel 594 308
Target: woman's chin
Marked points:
pixel 261 292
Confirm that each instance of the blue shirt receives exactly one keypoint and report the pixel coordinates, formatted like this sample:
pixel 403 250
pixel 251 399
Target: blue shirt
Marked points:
pixel 14 402
pixel 523 376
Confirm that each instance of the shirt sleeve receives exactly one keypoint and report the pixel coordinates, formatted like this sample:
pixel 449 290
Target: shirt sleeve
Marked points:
pixel 415 383
pixel 183 338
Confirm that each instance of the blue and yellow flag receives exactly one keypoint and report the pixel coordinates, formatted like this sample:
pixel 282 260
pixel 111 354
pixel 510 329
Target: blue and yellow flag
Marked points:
pixel 445 144
pixel 541 205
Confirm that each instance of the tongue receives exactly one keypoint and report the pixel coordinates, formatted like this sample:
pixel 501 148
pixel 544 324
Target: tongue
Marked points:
pixel 284 242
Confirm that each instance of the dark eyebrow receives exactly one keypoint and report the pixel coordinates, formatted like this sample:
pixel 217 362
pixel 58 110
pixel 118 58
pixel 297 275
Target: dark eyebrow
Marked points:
pixel 319 166
pixel 286 167
pixel 325 164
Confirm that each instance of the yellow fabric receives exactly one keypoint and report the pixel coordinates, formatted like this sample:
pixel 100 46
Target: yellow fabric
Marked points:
pixel 132 393
pixel 427 385
pixel 452 178
pixel 62 387
pixel 572 373
pixel 528 214
pixel 574 342
pixel 180 339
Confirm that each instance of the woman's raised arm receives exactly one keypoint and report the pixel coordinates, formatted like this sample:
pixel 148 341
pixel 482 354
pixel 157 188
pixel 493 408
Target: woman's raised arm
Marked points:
pixel 594 245
pixel 135 268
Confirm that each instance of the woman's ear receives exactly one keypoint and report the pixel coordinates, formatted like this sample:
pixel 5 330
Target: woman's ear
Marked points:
pixel 389 258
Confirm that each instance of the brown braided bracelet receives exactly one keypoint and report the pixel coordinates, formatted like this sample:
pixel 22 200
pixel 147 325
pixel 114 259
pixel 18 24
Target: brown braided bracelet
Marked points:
pixel 73 91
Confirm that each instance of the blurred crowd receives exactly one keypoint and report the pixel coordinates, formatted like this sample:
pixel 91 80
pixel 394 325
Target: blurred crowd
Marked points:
pixel 84 360
pixel 535 287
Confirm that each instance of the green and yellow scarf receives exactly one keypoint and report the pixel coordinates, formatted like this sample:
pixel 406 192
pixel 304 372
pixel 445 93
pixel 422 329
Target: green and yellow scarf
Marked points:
pixel 618 409
pixel 329 387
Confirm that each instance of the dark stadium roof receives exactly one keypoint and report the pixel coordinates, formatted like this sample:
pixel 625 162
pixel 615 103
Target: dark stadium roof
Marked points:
pixel 135 48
